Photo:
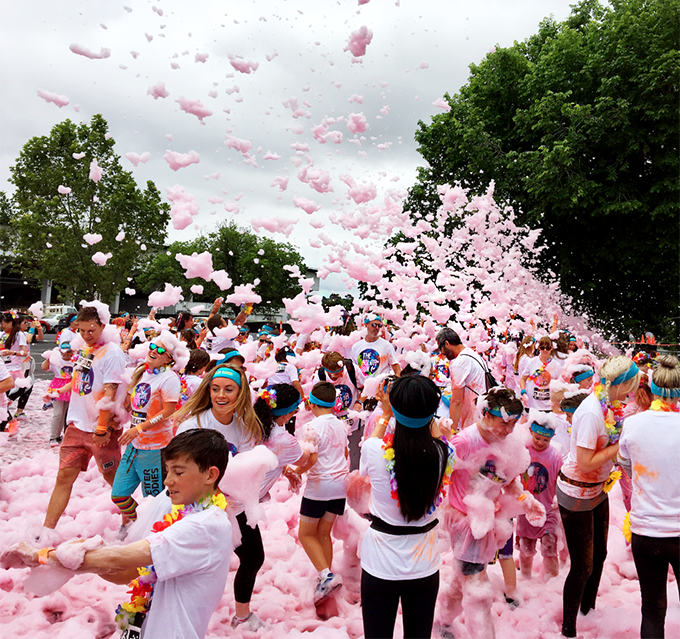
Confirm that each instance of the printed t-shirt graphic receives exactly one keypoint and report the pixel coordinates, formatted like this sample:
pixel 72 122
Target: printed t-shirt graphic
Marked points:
pixel 153 392
pixel 374 358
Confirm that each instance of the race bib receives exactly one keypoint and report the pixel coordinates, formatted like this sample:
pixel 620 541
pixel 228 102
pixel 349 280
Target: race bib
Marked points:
pixel 137 418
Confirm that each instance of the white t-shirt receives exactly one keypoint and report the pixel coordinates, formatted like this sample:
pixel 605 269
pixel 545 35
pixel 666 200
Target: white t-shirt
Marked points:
pixel 374 358
pixel 66 336
pixel 346 393
pixel 213 344
pixel 4 374
pixel 649 443
pixel 538 391
pixel 393 557
pixel 326 479
pixel 13 362
pixel 466 372
pixel 587 431
pixel 286 373
pixel 191 559
pixel 562 437
pixel 287 450
pixel 152 394
pixel 105 366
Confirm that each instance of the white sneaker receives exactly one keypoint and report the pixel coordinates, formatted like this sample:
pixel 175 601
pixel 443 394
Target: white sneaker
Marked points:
pixel 252 622
pixel 326 586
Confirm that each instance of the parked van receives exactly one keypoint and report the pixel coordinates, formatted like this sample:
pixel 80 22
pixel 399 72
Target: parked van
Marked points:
pixel 54 311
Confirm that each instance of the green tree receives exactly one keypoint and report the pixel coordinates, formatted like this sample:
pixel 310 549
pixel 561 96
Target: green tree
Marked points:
pixel 48 226
pixel 246 258
pixel 578 128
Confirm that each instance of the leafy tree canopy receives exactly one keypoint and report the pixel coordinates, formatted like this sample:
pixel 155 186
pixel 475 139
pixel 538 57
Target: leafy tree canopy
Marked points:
pixel 578 127
pixel 246 257
pixel 47 226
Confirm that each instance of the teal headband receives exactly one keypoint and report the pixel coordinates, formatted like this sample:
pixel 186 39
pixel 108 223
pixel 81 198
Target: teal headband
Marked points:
pixel 669 393
pixel 496 413
pixel 229 373
pixel 584 375
pixel 284 410
pixel 411 422
pixel 539 429
pixel 623 377
pixel 568 409
pixel 229 355
pixel 319 402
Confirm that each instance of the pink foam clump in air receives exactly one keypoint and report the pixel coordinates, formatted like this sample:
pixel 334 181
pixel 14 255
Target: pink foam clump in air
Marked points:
pixel 158 90
pixel 36 309
pixel 121 236
pixel 273 225
pixel 196 265
pixel 79 156
pixel 423 65
pixel 178 161
pixel 64 190
pixel 84 51
pixel 243 146
pixel 55 98
pixel 201 57
pixel 243 294
pixel 136 158
pixel 281 182
pixel 441 103
pixel 243 66
pixel 92 238
pixel 306 205
pixel 361 193
pixel 221 278
pixel 355 98
pixel 319 180
pixel 357 123
pixel 272 156
pixel 358 41
pixel 96 171
pixel 167 297
pixel 184 207
pixel 194 107
pixel 130 291
pixel 101 258
pixel 196 289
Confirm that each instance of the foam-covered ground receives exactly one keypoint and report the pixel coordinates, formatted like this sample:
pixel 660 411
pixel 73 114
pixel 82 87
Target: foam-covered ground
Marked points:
pixel 84 607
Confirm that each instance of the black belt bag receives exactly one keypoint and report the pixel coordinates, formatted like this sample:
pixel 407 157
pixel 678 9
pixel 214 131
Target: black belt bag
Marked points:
pixel 383 527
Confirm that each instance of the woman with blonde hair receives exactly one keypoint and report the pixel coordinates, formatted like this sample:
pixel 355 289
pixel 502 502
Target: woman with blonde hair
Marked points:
pixel 581 492
pixel 648 452
pixel 223 402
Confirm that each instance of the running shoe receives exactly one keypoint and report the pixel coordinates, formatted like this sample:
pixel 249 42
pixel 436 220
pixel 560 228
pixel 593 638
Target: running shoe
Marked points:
pixel 252 622
pixel 326 586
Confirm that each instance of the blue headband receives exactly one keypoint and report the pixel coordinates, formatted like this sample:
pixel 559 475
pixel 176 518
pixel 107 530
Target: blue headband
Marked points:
pixel 284 410
pixel 584 375
pixel 319 402
pixel 229 373
pixel 372 318
pixel 411 422
pixel 623 377
pixel 496 413
pixel 539 429
pixel 568 409
pixel 669 393
pixel 229 355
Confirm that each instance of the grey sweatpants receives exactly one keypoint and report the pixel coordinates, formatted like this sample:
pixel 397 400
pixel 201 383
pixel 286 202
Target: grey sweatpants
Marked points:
pixel 59 408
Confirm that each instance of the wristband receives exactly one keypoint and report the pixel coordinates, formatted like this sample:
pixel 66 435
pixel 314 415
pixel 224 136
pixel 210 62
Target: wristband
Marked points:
pixel 43 556
pixel 522 497
pixel 138 428
pixel 524 392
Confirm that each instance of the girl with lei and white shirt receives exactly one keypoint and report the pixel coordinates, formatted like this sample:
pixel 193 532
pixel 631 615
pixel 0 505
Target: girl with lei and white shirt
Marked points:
pixel 536 374
pixel 408 469
pixel 192 376
pixel 648 452
pixel 152 398
pixel 582 484
pixel 223 402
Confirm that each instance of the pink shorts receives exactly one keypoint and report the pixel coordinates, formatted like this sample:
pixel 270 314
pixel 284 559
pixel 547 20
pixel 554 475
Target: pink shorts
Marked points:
pixel 77 448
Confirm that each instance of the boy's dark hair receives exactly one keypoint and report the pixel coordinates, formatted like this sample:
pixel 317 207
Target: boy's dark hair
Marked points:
pixel 448 335
pixel 214 322
pixel 204 446
pixel 504 397
pixel 325 391
pixel 89 314
pixel 573 402
pixel 282 354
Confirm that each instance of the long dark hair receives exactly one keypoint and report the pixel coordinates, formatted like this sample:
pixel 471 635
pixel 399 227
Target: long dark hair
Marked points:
pixel 419 458
pixel 286 395
pixel 189 337
pixel 16 321
pixel 183 318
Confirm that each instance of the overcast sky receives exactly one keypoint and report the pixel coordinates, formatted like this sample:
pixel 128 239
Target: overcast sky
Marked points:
pixel 419 50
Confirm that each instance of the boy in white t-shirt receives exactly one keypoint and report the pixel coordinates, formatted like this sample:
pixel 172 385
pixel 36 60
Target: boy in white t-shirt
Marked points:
pixel 187 561
pixel 325 493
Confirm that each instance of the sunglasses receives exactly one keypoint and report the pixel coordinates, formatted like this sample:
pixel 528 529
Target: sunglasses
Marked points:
pixel 544 348
pixel 375 324
pixel 158 349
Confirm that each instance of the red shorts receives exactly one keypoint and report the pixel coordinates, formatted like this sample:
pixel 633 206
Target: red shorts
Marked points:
pixel 77 448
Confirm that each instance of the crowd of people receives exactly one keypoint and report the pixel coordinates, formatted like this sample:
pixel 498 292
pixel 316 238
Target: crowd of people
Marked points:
pixel 502 447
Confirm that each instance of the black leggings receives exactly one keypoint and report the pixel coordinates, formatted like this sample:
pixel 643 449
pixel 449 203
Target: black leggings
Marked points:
pixel 380 600
pixel 586 536
pixel 652 557
pixel 251 556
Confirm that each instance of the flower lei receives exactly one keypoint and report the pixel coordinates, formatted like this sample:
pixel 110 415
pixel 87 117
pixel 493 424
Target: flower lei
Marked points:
pixel 613 414
pixel 269 396
pixel 141 588
pixel 538 373
pixel 155 371
pixel 663 407
pixel 388 447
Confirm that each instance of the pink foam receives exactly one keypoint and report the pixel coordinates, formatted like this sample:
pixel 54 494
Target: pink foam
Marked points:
pixel 170 296
pixel 64 190
pixel 274 224
pixel 92 238
pixel 196 265
pixel 84 51
pixel 55 98
pixel 306 205
pixel 357 123
pixel 358 41
pixel 158 90
pixel 178 161
pixel 101 258
pixel 243 66
pixel 221 278
pixel 243 294
pixel 96 171
pixel 194 107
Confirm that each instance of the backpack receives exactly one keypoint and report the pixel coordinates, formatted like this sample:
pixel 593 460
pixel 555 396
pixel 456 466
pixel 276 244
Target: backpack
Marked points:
pixel 489 380
pixel 349 365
